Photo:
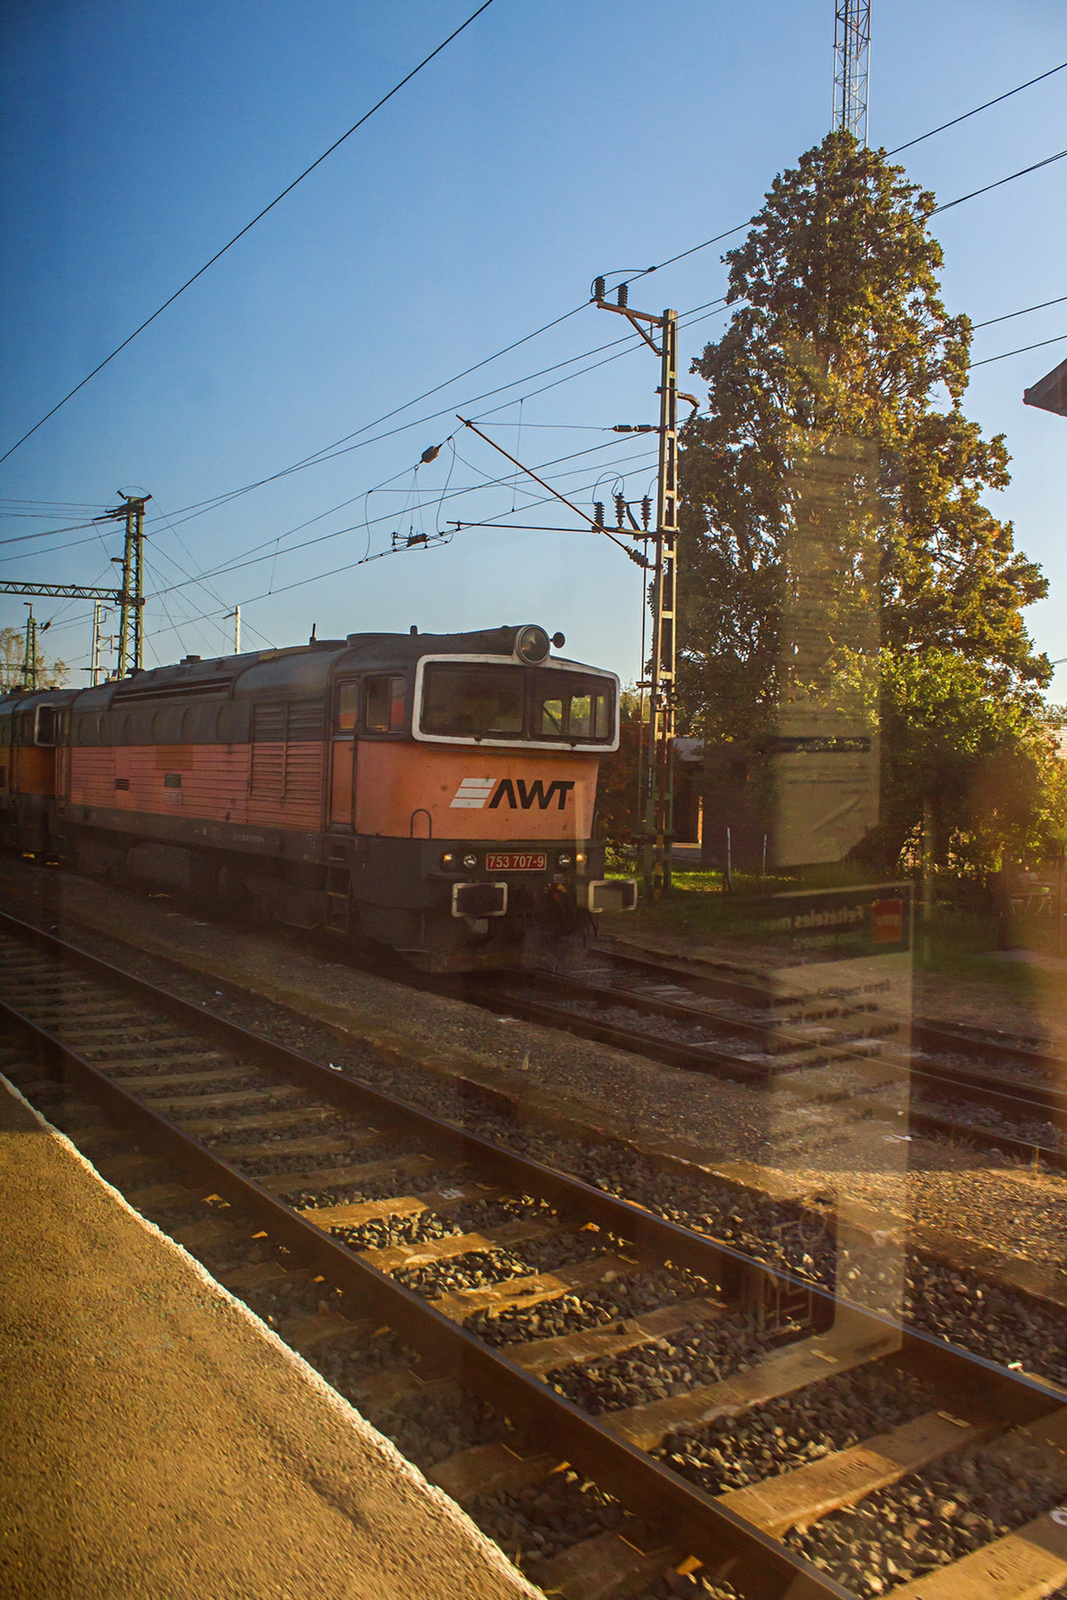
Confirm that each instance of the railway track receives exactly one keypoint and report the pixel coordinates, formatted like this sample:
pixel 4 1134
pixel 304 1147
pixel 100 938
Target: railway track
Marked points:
pixel 734 1024
pixel 736 1028
pixel 634 1349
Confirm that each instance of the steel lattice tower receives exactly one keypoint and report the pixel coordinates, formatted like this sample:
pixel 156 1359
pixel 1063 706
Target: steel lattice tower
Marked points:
pixel 852 44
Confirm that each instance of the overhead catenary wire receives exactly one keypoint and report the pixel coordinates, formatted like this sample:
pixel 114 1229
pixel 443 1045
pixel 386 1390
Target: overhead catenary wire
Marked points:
pixel 263 552
pixel 203 583
pixel 632 340
pixel 329 452
pixel 1048 160
pixel 44 533
pixel 1019 87
pixel 54 505
pixel 250 225
pixel 386 517
pixel 399 550
pixel 363 561
pixel 689 318
pixel 344 447
pixel 326 453
pixel 1041 343
pixel 989 321
pixel 669 261
pixel 499 523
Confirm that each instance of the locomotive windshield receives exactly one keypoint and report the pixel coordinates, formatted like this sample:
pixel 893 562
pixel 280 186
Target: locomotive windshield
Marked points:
pixel 486 702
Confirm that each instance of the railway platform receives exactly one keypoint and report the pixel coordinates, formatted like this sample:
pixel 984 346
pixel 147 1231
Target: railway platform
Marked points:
pixel 161 1442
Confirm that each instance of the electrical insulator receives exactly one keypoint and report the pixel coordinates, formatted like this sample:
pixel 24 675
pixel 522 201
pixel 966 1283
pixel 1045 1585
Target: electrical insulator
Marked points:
pixel 620 509
pixel 646 511
pixel 624 294
pixel 599 288
pixel 598 513
pixel 431 454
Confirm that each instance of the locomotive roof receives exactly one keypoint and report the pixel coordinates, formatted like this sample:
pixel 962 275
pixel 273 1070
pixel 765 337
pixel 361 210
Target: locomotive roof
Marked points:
pixel 304 669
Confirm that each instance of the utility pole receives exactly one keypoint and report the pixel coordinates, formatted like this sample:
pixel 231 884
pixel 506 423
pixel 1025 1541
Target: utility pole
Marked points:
pixel 236 615
pixel 658 829
pixel 131 595
pixel 657 777
pixel 94 650
pixel 852 45
pixel 29 658
pixel 99 613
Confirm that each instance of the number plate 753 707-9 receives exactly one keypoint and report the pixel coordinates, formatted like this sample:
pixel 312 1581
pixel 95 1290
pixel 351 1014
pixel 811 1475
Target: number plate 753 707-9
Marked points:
pixel 516 861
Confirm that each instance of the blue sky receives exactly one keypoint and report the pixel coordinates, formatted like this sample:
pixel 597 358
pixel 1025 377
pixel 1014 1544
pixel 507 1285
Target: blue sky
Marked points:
pixel 552 141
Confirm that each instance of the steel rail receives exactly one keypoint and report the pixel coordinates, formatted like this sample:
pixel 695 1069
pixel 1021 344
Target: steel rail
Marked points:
pixel 672 1053
pixel 694 1520
pixel 996 1090
pixel 926 1031
pixel 983 1087
pixel 955 1036
pixel 698 1521
pixel 768 1034
pixel 654 1238
pixel 746 990
pixel 707 1059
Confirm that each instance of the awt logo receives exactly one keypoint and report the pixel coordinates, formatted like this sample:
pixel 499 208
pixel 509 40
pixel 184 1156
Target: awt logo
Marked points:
pixel 517 794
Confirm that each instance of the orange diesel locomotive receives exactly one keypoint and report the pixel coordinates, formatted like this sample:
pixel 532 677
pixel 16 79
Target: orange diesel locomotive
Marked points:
pixel 434 793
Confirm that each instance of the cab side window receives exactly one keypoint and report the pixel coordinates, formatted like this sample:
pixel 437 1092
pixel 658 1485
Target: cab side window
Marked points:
pixel 347 707
pixel 384 706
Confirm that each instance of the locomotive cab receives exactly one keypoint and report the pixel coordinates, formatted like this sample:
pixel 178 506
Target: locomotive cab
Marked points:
pixel 468 784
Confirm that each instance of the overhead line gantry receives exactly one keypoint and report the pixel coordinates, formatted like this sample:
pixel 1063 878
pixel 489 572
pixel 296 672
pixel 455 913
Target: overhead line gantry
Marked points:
pixel 129 596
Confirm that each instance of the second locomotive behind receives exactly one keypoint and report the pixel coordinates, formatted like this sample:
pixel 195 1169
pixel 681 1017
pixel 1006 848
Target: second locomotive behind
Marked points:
pixel 432 793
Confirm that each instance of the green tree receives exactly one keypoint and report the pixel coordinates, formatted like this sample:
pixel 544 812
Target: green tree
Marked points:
pixel 971 778
pixel 835 428
pixel 50 674
pixel 619 817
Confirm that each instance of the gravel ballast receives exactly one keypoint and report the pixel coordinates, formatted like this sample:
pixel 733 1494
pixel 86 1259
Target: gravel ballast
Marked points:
pixel 959 1190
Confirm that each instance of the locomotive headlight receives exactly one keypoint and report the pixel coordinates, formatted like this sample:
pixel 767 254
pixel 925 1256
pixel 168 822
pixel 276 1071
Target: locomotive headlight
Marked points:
pixel 470 862
pixel 564 859
pixel 448 861
pixel 532 644
pixel 579 859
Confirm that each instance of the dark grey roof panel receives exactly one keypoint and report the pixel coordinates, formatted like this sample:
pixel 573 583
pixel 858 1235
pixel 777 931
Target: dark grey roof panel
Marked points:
pixel 1050 392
